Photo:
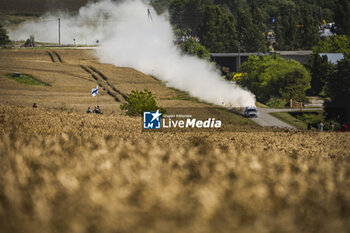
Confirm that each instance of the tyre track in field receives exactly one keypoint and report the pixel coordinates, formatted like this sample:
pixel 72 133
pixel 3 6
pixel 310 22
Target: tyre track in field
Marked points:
pixel 117 93
pixel 51 56
pixel 58 56
pixel 125 97
pixel 98 77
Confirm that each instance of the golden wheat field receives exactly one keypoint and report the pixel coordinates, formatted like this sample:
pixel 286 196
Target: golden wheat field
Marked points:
pixel 66 171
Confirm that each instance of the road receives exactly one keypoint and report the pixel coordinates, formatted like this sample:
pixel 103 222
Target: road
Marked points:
pixel 265 119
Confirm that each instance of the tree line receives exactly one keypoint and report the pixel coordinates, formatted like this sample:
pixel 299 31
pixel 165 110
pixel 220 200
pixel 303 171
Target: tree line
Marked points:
pixel 229 25
pixel 331 80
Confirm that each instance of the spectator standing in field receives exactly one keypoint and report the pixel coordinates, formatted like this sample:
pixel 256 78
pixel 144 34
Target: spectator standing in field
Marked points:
pixel 309 126
pixel 320 126
pixel 97 109
pixel 331 127
pixel 344 128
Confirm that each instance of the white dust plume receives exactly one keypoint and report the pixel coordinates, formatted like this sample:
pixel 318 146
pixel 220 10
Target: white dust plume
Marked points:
pixel 131 34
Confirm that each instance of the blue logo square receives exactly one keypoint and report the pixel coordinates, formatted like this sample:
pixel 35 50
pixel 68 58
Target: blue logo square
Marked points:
pixel 151 120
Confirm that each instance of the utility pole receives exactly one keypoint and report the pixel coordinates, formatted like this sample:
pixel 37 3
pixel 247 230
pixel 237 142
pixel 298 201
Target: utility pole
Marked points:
pixel 59 31
pixel 239 56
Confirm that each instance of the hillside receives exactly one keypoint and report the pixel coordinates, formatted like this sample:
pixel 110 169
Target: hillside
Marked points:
pixel 70 83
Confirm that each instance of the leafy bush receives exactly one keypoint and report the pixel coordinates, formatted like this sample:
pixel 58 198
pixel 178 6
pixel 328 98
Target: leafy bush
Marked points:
pixel 309 117
pixel 193 48
pixel 276 102
pixel 4 39
pixel 333 44
pixel 140 101
pixel 271 76
pixel 314 118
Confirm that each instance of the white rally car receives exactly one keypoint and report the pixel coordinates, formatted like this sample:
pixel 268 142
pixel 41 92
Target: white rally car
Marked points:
pixel 250 112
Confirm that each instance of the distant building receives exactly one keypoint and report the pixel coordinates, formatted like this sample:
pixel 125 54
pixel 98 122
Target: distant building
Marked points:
pixel 302 56
pixel 230 62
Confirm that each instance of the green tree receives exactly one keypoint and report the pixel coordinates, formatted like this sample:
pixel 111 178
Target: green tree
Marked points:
pixel 191 47
pixel 4 39
pixel 186 15
pixel 217 30
pixel 309 32
pixel 296 23
pixel 338 90
pixel 160 5
pixel 251 31
pixel 268 77
pixel 342 17
pixel 333 44
pixel 140 101
pixel 290 33
pixel 176 9
pixel 320 70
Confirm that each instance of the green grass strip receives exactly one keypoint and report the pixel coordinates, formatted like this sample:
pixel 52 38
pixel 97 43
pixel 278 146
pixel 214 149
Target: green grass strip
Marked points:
pixel 27 80
pixel 289 119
